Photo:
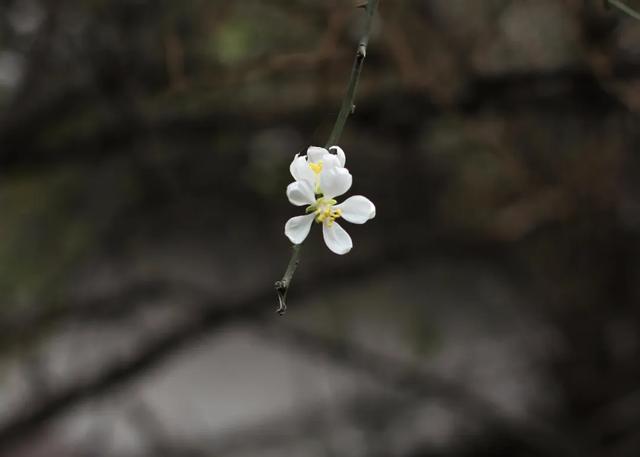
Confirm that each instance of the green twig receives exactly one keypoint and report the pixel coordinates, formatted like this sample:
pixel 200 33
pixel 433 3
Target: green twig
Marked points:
pixel 347 108
pixel 348 105
pixel 624 8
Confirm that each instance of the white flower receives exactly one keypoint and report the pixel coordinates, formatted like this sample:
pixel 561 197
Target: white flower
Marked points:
pixel 318 160
pixel 320 177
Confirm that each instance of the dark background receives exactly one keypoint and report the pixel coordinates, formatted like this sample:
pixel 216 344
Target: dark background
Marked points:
pixel 490 309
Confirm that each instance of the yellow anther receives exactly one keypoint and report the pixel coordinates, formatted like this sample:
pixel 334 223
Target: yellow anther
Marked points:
pixel 316 167
pixel 326 213
pixel 322 216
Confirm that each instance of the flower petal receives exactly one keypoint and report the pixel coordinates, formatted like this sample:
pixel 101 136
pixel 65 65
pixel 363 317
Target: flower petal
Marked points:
pixel 357 209
pixel 300 193
pixel 330 161
pixel 300 170
pixel 315 153
pixel 339 154
pixel 336 238
pixel 335 182
pixel 297 228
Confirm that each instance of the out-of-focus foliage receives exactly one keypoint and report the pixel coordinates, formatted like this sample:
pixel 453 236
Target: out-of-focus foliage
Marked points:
pixel 489 309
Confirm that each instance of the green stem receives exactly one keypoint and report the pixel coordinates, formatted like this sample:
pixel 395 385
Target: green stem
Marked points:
pixel 347 108
pixel 348 105
pixel 625 8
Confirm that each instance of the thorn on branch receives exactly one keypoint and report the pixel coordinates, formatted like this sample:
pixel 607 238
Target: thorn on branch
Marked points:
pixel 281 290
pixel 362 51
pixel 282 285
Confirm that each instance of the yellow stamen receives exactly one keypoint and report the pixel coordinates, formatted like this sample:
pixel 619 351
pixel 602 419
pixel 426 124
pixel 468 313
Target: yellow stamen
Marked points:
pixel 325 212
pixel 316 167
pixel 334 214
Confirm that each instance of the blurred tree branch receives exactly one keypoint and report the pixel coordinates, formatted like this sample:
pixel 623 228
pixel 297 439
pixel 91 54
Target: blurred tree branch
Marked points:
pixel 23 147
pixel 411 379
pixel 326 50
pixel 208 317
pixel 21 330
pixel 150 354
pixel 38 58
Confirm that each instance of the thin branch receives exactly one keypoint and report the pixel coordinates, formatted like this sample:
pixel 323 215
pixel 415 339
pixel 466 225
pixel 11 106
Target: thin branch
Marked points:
pixel 348 102
pixel 347 108
pixel 624 8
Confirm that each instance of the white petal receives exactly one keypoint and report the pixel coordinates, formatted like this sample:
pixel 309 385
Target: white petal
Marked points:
pixel 300 170
pixel 297 228
pixel 300 193
pixel 335 182
pixel 315 153
pixel 357 209
pixel 339 154
pixel 330 161
pixel 337 239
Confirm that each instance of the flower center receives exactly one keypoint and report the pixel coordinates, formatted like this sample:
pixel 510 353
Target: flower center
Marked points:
pixel 324 210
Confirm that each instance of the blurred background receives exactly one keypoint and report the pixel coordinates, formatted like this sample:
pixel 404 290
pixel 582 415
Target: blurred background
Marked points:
pixel 490 309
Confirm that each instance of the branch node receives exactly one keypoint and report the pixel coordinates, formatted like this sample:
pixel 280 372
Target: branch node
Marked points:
pixel 362 51
pixel 282 286
pixel 281 290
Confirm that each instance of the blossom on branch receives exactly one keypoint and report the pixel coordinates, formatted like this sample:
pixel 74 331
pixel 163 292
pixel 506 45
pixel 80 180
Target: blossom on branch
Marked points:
pixel 320 177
